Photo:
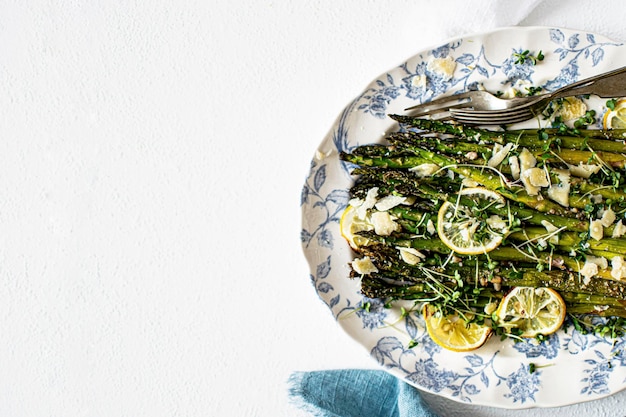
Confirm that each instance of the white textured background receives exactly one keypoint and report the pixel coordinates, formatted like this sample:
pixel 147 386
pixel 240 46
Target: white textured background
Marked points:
pixel 151 160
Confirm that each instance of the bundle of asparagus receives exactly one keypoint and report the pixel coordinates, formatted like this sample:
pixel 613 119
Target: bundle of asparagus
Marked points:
pixel 457 216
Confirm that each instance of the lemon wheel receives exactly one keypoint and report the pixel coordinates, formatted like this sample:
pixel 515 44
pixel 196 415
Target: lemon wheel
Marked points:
pixel 616 118
pixel 531 311
pixel 466 228
pixel 351 224
pixel 452 332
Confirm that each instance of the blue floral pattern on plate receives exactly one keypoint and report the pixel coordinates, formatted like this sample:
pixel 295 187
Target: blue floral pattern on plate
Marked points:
pixel 501 373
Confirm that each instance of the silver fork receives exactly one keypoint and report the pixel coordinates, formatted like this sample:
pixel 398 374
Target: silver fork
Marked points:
pixel 482 107
pixel 475 99
pixel 606 85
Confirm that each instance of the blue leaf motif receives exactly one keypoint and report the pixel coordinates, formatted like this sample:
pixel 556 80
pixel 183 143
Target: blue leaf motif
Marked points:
pixel 320 178
pixel 573 41
pixel 323 269
pixel 484 379
pixel 324 287
pixel 389 79
pixel 380 83
pixel 411 326
pixel 304 195
pixel 474 360
pixel 482 71
pixel 325 239
pixel 335 300
pixel 305 236
pixel 591 38
pixel 471 389
pixel 388 344
pixel 339 197
pixel 465 59
pixel 557 36
pixel 597 56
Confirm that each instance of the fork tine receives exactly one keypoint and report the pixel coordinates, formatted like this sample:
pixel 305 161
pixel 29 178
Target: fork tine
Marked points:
pixel 432 112
pixel 441 104
pixel 441 100
pixel 470 118
pixel 534 107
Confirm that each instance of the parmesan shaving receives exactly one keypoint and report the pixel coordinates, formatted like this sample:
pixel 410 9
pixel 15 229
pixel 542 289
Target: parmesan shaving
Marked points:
pixel 383 223
pixel 389 202
pixel 583 170
pixel 595 229
pixel 499 153
pixel 619 229
pixel 411 256
pixel 425 170
pixel 364 266
pixel 618 268
pixel 608 217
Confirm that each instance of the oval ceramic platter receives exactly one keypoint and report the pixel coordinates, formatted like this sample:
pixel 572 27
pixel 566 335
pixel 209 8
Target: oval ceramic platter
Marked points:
pixel 569 367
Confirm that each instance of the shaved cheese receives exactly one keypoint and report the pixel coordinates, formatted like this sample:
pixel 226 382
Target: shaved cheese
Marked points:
pixel 583 170
pixel 551 229
pixel 588 271
pixel 598 260
pixel 538 177
pixel 618 267
pixel 608 217
pixel 383 223
pixel 425 170
pixel 364 266
pixel 531 189
pixel 469 183
pixel 389 202
pixel 572 108
pixel 559 193
pixel 595 229
pixel 411 256
pixel 496 222
pixel 526 160
pixel 499 153
pixel 430 227
pixel 619 229
pixel 444 67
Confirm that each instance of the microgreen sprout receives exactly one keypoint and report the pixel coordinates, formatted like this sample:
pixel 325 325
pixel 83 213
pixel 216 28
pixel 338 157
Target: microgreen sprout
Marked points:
pixel 522 57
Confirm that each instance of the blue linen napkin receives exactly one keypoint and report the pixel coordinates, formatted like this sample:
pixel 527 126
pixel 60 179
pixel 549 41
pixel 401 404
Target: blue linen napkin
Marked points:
pixel 355 393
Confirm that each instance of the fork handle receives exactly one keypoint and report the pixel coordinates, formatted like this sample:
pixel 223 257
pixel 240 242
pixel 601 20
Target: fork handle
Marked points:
pixel 606 85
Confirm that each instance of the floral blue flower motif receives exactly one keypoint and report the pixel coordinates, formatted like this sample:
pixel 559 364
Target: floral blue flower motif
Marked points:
pixel 429 375
pixel 438 84
pixel 598 375
pixel 430 347
pixel 414 88
pixel 372 316
pixel 567 75
pixel 517 71
pixel 523 384
pixel 576 343
pixel 549 348
pixel 377 98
